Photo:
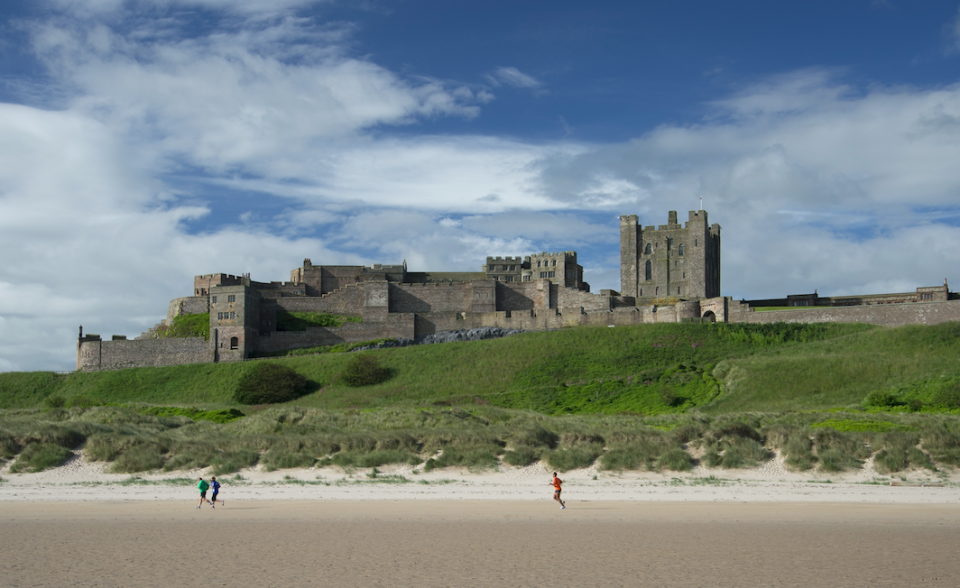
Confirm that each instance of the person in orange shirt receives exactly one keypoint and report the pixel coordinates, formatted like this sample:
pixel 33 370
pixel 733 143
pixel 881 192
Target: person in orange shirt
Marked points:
pixel 556 490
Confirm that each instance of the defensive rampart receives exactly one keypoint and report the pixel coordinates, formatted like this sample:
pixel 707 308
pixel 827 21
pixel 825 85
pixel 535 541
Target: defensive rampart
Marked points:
pixel 94 354
pixel 890 315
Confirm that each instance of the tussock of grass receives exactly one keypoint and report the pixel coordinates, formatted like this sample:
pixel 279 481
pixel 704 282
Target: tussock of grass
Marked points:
pixel 37 457
pixel 576 457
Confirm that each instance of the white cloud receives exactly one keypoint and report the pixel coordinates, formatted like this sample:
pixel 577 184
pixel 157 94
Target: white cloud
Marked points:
pixel 511 76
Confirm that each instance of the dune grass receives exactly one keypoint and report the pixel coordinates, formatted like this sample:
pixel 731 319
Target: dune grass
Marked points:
pixel 827 396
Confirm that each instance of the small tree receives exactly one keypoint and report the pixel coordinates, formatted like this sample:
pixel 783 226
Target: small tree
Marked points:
pixel 364 370
pixel 268 383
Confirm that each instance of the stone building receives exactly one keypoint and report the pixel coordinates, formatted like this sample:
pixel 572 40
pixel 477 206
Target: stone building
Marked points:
pixel 670 261
pixel 560 268
pixel 668 274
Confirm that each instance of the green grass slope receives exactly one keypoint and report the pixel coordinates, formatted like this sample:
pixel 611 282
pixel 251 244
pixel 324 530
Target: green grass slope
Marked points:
pixel 647 369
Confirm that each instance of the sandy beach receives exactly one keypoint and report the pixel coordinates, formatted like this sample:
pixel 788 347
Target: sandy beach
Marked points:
pixel 78 525
pixel 476 543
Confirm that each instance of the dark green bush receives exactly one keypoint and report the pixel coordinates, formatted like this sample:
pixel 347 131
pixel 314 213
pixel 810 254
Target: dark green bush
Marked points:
pixel 948 397
pixel 881 399
pixel 364 369
pixel 269 383
pixel 55 401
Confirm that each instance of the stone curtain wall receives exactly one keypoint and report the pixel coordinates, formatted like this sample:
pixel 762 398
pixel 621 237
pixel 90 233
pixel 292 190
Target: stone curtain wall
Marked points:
pixel 430 297
pixel 348 300
pixel 114 355
pixel 891 315
pixel 396 327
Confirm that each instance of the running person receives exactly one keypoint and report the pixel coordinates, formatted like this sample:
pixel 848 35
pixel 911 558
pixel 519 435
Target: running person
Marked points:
pixel 203 486
pixel 556 490
pixel 216 490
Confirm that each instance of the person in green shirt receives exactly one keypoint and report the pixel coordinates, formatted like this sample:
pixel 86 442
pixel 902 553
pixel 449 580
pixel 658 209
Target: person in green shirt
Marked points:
pixel 203 486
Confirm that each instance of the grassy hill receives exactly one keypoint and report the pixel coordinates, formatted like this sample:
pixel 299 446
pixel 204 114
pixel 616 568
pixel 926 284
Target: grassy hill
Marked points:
pixel 636 397
pixel 647 369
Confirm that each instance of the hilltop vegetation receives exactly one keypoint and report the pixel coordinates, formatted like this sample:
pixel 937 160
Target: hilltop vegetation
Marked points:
pixel 647 397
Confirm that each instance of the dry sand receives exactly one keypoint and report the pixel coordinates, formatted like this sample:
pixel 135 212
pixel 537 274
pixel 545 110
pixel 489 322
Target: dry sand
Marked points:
pixel 79 526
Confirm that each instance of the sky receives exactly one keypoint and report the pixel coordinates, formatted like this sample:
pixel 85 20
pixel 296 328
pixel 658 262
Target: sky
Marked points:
pixel 144 142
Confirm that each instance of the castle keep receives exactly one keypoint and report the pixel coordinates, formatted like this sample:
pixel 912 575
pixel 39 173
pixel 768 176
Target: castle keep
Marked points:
pixel 669 273
pixel 670 260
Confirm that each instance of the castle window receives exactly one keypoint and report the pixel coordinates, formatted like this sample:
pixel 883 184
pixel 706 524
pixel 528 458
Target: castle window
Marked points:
pixel 513 268
pixel 694 242
pixel 538 264
pixel 508 279
pixel 647 272
pixel 233 315
pixel 526 278
pixel 648 249
pixel 234 343
pixel 678 289
pixel 554 263
pixel 543 275
pixel 551 274
pixel 231 298
pixel 676 263
pixel 680 249
pixel 641 291
pixel 684 275
pixel 214 299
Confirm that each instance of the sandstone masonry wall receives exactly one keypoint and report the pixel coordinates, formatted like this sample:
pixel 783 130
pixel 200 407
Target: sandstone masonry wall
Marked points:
pixel 113 355
pixel 891 315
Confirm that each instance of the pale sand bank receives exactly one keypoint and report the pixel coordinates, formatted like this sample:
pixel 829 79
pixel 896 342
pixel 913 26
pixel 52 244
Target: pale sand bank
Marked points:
pixel 80 481
pixel 476 543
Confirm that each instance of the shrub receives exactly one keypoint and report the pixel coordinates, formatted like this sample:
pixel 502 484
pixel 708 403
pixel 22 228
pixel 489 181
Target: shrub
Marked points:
pixel 269 383
pixel 948 397
pixel 881 399
pixel 37 457
pixel 364 370
pixel 55 401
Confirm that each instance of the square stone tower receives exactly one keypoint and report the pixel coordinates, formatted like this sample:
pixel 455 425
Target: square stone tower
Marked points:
pixel 670 260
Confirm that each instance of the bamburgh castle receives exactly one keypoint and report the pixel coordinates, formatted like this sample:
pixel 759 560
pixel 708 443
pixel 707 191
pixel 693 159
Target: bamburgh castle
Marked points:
pixel 668 273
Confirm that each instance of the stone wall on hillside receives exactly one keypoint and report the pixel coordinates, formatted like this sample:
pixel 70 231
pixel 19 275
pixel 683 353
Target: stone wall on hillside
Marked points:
pixel 95 354
pixel 891 315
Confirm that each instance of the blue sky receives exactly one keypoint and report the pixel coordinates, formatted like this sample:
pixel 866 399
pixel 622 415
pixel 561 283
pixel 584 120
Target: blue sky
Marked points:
pixel 143 142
